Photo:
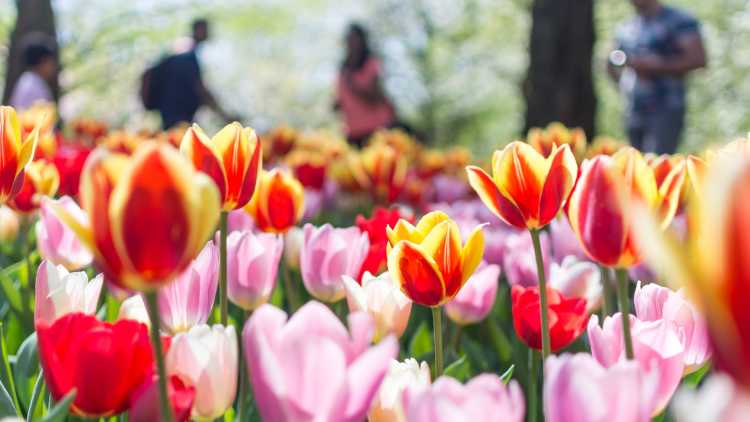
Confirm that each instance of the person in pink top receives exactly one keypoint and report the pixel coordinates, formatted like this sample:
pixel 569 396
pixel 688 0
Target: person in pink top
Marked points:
pixel 359 95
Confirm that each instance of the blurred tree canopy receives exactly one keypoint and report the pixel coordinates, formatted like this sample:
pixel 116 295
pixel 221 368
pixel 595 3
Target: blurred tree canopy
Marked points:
pixel 454 68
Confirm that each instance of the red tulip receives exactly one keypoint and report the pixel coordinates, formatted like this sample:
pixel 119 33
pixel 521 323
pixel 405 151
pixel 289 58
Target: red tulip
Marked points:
pixel 376 227
pixel 145 403
pixel 567 317
pixel 15 153
pixel 104 362
pixel 41 179
pixel 69 160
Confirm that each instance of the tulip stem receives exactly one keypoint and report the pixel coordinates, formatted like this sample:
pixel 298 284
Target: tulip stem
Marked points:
pixel 624 300
pixel 289 292
pixel 542 292
pixel 241 399
pixel 223 302
pixel 606 291
pixel 152 305
pixel 533 391
pixel 437 331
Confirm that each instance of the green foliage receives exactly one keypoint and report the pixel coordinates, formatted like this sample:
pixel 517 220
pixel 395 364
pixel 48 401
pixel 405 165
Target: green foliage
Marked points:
pixel 60 410
pixel 420 345
pixel 459 369
pixel 25 370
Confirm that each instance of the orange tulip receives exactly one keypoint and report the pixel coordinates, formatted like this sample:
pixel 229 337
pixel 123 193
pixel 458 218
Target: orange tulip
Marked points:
pixel 233 158
pixel 603 145
pixel 149 214
pixel 14 154
pixel 385 169
pixel 278 203
pixel 428 261
pixel 41 179
pixel 526 190
pixel 556 134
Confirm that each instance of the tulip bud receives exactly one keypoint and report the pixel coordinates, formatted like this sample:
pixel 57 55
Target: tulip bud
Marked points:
pixel 383 300
pixel 55 241
pixel 279 202
pixel 252 264
pixel 9 224
pixel 59 293
pixel 409 374
pixel 474 301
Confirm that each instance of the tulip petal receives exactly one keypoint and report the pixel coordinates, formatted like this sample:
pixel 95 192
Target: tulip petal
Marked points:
pixel 197 147
pixel 430 221
pixel 254 169
pixel 488 192
pixel 443 244
pixel 558 184
pixel 472 254
pixel 519 172
pixel 670 192
pixel 417 274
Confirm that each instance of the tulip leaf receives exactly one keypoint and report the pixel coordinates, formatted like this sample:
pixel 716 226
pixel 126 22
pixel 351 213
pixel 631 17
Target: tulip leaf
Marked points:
pixel 475 354
pixel 6 403
pixel 6 375
pixel 60 410
pixel 25 369
pixel 459 369
pixel 508 374
pixel 694 379
pixel 11 293
pixel 35 396
pixel 421 343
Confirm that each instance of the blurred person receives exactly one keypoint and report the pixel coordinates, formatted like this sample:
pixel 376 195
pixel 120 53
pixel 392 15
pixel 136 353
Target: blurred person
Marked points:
pixel 34 84
pixel 359 94
pixel 655 51
pixel 175 85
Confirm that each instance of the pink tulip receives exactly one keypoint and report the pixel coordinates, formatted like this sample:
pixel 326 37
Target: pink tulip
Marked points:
pixel 656 346
pixel 564 241
pixel 206 359
pixel 293 240
pixel 240 220
pixel 483 398
pixel 519 261
pixel 449 188
pixel 383 300
pixel 718 399
pixel 310 368
pixel 252 264
pixel 642 272
pixel 653 302
pixel 574 278
pixel 58 243
pixel 494 244
pixel 313 204
pixel 59 292
pixel 401 376
pixel 327 255
pixel 578 389
pixel 475 299
pixel 187 301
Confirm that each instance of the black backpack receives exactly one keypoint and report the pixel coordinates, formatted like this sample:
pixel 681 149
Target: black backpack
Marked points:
pixel 152 85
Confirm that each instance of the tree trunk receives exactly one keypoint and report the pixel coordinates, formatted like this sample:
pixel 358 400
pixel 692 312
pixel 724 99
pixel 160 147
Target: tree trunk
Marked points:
pixel 33 16
pixel 559 84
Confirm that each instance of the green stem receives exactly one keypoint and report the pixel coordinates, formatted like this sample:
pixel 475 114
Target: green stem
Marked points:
pixel 152 305
pixel 624 300
pixel 289 292
pixel 241 400
pixel 456 338
pixel 7 371
pixel 533 391
pixel 437 330
pixel 542 292
pixel 606 291
pixel 223 300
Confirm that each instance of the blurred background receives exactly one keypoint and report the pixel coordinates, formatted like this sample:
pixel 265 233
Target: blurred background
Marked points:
pixel 458 71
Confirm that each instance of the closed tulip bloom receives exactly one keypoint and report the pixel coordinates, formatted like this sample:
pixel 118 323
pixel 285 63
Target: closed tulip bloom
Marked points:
pixel 15 153
pixel 252 264
pixel 556 134
pixel 55 241
pixel 59 292
pixel 144 405
pixel 41 179
pixel 526 190
pixel 69 160
pixel 567 317
pixel 78 349
pixel 149 215
pixel 187 301
pixel 327 255
pixel 579 389
pixel 293 241
pixel 383 300
pixel 278 203
pixel 134 308
pixel 233 159
pixel 310 367
pixel 474 301
pixel 206 358
pixel 574 278
pixel 719 398
pixel 9 224
pixel 483 398
pixel 401 376
pixel 653 303
pixel 429 262
pixel 656 346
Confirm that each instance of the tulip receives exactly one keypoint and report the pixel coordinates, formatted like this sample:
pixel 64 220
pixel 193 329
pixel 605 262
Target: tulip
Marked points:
pixel 568 317
pixel 574 278
pixel 278 203
pixel 9 224
pixel 449 188
pixel 384 170
pixel 376 227
pixel 556 134
pixel 718 399
pixel 563 240
pixel 206 358
pixel 327 255
pixel 656 346
pixel 484 398
pixel 401 376
pixel 519 261
pixel 134 308
pixel 654 303
pixel 58 243
pixel 239 220
pixel 252 267
pixel 77 349
pixel 15 155
pixel 474 301
pixel 59 293
pixel 383 300
pixel 69 160
pixel 144 405
pixel 293 241
pixel 232 158
pixel 41 179
pixel 187 301
pixel 290 380
pixel 603 145
pixel 578 389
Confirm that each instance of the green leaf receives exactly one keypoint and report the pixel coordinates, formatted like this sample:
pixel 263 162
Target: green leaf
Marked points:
pixel 6 403
pixel 60 410
pixel 475 353
pixel 25 369
pixel 459 369
pixel 421 343
pixel 6 376
pixel 35 396
pixel 11 292
pixel 694 379
pixel 508 374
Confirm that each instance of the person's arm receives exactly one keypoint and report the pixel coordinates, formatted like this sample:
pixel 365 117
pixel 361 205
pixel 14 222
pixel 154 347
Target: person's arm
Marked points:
pixel 208 99
pixel 691 56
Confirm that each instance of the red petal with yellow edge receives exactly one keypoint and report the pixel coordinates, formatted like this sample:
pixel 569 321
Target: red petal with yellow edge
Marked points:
pixel 472 254
pixel 195 146
pixel 519 173
pixel 485 187
pixel 9 151
pixel 417 274
pixel 636 176
pixel 231 144
pixel 443 244
pixel 560 180
pixel 670 193
pixel 252 173
pixel 283 203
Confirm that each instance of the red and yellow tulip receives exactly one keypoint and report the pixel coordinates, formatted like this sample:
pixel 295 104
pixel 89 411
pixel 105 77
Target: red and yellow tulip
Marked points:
pixel 233 159
pixel 526 190
pixel 15 153
pixel 149 214
pixel 41 179
pixel 278 203
pixel 557 134
pixel 428 261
